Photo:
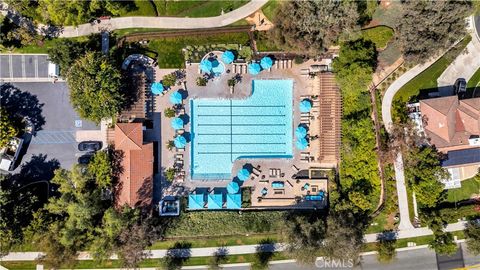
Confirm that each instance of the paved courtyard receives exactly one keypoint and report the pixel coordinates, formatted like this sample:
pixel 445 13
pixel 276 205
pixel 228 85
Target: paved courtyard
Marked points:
pixel 56 136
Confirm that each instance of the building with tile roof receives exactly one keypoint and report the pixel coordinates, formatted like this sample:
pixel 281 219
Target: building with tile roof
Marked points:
pixel 136 179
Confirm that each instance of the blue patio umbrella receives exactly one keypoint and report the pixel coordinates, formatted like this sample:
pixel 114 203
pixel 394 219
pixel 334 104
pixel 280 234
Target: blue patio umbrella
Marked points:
pixel 301 143
pixel 206 66
pixel 233 187
pixel 243 174
pixel 254 68
pixel 266 62
pixel 215 201
pixel 234 201
pixel 195 201
pixel 305 106
pixel 156 88
pixel 228 57
pixel 176 98
pixel 180 142
pixel 300 132
pixel 177 123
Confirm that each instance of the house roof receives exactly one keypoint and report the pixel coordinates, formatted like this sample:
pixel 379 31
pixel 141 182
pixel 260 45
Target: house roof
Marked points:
pixel 462 157
pixel 441 105
pixel 136 180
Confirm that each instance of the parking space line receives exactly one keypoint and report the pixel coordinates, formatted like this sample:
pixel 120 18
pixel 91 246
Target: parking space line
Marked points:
pixel 23 66
pixel 36 66
pixel 10 65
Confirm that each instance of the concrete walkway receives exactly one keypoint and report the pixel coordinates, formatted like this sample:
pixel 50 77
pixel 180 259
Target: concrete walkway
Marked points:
pixel 157 22
pixel 236 250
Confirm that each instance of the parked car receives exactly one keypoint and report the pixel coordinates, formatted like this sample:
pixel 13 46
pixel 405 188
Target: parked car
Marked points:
pixel 85 159
pixel 460 86
pixel 90 146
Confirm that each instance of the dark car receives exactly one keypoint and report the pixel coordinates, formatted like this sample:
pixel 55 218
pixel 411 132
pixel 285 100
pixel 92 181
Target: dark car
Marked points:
pixel 460 86
pixel 85 159
pixel 90 146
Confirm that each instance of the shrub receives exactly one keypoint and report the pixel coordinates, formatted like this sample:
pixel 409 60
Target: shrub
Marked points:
pixel 169 174
pixel 169 112
pixel 169 79
pixel 201 81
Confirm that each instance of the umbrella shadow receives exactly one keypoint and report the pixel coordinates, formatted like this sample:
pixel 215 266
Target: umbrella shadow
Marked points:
pixel 187 136
pixel 305 126
pixel 184 93
pixel 185 118
pixel 248 167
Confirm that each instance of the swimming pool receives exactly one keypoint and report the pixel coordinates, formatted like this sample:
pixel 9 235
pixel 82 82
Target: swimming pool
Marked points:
pixel 225 130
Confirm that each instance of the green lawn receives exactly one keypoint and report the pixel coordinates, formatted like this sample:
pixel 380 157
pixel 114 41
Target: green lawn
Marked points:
pixel 469 187
pixel 170 49
pixel 218 241
pixel 474 83
pixel 43 48
pixel 380 35
pixel 428 78
pixel 270 8
pixel 140 8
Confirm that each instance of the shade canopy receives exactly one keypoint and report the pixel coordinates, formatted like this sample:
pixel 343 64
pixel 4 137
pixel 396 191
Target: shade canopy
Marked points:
pixel 195 201
pixel 301 143
pixel 176 98
pixel 305 106
pixel 254 68
pixel 156 88
pixel 215 201
pixel 206 66
pixel 228 57
pixel 177 123
pixel 266 62
pixel 180 142
pixel 300 132
pixel 234 201
pixel 243 174
pixel 233 187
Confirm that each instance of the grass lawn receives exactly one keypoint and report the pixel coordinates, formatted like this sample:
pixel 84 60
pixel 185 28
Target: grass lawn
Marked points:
pixel 43 48
pixel 140 8
pixel 196 8
pixel 428 78
pixel 380 35
pixel 469 187
pixel 170 49
pixel 270 9
pixel 389 16
pixel 474 83
pixel 218 241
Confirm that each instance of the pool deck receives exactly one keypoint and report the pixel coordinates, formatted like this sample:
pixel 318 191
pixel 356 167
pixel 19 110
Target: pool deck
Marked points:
pixel 303 86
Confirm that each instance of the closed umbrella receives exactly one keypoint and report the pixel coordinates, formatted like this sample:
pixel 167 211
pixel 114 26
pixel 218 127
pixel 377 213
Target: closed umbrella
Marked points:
pixel 180 142
pixel 228 57
pixel 305 106
pixel 156 88
pixel 177 123
pixel 254 68
pixel 266 62
pixel 176 98
pixel 233 187
pixel 243 174
pixel 206 66
pixel 301 143
pixel 300 132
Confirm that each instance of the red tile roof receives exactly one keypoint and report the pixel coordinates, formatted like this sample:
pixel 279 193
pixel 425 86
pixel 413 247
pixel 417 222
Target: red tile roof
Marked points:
pixel 136 180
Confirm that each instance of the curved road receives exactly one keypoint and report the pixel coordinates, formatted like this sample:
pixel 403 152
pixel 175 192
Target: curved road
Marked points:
pixel 155 22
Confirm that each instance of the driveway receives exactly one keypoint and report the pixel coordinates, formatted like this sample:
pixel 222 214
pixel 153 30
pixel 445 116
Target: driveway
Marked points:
pixel 57 123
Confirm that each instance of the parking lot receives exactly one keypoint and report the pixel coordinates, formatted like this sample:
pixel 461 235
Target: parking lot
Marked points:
pixel 24 67
pixel 57 135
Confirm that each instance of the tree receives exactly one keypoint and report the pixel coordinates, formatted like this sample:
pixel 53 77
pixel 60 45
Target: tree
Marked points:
pixel 263 255
pixel 443 243
pixel 312 26
pixel 56 254
pixel 8 129
pixel 65 52
pixel 354 68
pixel 95 87
pixel 201 81
pixel 101 169
pixel 219 257
pixel 424 172
pixel 427 28
pixel 386 249
pixel 169 112
pixel 231 82
pixel 472 235
pixel 170 174
pixel 360 200
pixel 169 79
pixel 304 237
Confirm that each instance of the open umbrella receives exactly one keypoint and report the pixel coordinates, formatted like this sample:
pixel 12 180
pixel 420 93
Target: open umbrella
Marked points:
pixel 233 187
pixel 301 143
pixel 176 98
pixel 243 174
pixel 305 106
pixel 180 142
pixel 254 68
pixel 228 57
pixel 206 66
pixel 266 62
pixel 177 123
pixel 300 132
pixel 156 88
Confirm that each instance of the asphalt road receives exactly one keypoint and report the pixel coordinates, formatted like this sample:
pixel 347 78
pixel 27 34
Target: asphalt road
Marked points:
pixel 56 127
pixel 14 67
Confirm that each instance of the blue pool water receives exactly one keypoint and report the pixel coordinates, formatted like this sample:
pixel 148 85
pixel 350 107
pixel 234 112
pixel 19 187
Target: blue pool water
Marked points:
pixel 225 130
